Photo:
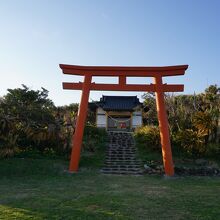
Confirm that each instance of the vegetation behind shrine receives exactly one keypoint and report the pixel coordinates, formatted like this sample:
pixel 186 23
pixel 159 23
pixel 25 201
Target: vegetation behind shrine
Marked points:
pixel 30 122
pixel 193 121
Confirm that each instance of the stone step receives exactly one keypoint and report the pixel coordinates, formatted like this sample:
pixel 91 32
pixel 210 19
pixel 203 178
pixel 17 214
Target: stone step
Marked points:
pixel 122 162
pixel 108 161
pixel 129 137
pixel 122 169
pixel 121 152
pixel 121 155
pixel 121 149
pixel 122 165
pixel 133 150
pixel 121 141
pixel 112 166
pixel 117 139
pixel 125 139
pixel 122 146
pixel 138 173
pixel 120 159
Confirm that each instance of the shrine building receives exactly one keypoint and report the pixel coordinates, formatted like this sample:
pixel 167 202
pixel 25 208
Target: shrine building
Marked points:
pixel 118 112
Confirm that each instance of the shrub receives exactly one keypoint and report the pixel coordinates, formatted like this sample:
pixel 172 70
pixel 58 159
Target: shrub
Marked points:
pixel 92 137
pixel 8 146
pixel 8 136
pixel 190 141
pixel 148 136
pixel 213 150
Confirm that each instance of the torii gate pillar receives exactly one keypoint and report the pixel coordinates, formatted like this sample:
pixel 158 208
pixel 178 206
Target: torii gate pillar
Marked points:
pixel 164 129
pixel 80 124
pixel 122 72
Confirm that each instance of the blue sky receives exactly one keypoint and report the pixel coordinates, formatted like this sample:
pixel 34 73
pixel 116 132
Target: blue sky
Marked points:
pixel 38 35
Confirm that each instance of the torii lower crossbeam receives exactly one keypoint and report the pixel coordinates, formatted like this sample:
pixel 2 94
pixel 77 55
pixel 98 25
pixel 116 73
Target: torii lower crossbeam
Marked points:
pixel 122 72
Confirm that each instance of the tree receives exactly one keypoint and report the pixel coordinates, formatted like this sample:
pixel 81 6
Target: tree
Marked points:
pixel 211 99
pixel 30 114
pixel 150 111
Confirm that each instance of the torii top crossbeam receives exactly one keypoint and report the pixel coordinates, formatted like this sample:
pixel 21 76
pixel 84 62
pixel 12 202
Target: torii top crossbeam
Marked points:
pixel 122 72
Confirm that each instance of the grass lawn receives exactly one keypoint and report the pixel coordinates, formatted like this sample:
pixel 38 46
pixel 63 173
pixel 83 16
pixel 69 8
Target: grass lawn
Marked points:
pixel 39 189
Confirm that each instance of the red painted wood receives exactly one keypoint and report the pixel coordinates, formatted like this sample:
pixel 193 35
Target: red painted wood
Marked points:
pixel 80 124
pixel 122 80
pixel 164 128
pixel 124 71
pixel 125 87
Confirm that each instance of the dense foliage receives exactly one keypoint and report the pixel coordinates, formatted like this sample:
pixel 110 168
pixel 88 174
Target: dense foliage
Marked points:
pixel 30 121
pixel 193 120
pixel 27 119
pixel 148 135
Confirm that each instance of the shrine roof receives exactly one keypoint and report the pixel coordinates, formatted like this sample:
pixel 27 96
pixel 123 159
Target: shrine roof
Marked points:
pixel 118 103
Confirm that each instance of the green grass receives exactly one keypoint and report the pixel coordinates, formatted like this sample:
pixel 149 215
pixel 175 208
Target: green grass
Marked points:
pixel 40 189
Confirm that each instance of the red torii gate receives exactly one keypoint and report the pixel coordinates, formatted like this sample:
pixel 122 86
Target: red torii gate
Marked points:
pixel 122 72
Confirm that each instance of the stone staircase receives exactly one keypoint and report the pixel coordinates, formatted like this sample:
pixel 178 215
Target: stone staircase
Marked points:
pixel 121 155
